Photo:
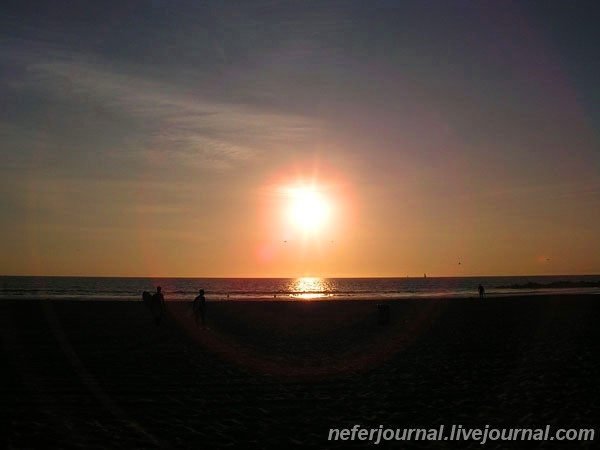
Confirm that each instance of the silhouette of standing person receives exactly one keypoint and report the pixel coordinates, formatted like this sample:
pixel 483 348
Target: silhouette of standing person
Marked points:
pixel 481 291
pixel 158 305
pixel 199 307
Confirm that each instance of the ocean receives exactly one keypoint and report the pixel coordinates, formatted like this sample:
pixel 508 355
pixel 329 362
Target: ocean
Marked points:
pixel 277 289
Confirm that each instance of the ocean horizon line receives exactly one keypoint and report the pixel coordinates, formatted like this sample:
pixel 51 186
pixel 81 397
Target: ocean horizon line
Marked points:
pixel 221 288
pixel 184 277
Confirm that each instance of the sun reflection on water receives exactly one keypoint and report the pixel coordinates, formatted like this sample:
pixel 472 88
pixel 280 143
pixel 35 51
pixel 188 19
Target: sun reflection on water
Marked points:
pixel 310 288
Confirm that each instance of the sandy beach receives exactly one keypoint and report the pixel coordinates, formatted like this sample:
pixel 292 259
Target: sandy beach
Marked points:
pixel 100 374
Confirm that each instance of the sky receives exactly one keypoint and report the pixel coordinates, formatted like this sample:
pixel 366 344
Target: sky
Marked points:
pixel 299 138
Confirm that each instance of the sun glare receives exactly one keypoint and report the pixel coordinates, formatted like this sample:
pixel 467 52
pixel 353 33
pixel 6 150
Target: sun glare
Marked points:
pixel 308 208
pixel 310 288
pixel 305 217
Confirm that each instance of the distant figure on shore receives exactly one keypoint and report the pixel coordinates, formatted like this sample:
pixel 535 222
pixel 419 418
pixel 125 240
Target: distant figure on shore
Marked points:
pixel 199 307
pixel 481 291
pixel 158 305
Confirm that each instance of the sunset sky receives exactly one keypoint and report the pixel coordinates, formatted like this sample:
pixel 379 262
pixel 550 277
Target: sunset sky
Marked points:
pixel 299 138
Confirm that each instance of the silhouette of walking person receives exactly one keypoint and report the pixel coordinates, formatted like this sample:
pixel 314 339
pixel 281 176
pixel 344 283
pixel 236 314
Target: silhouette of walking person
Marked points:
pixel 481 291
pixel 158 306
pixel 199 307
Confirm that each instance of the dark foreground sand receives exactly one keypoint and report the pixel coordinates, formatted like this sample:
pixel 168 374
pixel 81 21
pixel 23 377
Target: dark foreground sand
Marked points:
pixel 275 374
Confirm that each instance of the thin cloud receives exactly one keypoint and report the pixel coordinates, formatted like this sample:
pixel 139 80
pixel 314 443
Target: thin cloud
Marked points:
pixel 182 121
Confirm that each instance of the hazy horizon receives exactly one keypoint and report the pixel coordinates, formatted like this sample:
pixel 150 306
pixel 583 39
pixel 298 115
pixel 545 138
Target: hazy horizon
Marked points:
pixel 273 139
pixel 426 276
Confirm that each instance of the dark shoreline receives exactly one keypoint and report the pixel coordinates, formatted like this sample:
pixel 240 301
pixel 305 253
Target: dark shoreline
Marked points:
pixel 275 373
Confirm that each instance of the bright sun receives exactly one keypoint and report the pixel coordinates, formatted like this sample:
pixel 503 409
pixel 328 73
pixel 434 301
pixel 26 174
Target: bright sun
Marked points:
pixel 308 208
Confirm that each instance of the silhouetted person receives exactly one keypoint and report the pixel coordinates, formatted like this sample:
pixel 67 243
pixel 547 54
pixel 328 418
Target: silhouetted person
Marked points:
pixel 481 291
pixel 158 305
pixel 199 307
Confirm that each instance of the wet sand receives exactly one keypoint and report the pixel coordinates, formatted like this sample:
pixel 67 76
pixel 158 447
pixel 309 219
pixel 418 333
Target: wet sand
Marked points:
pixel 272 374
